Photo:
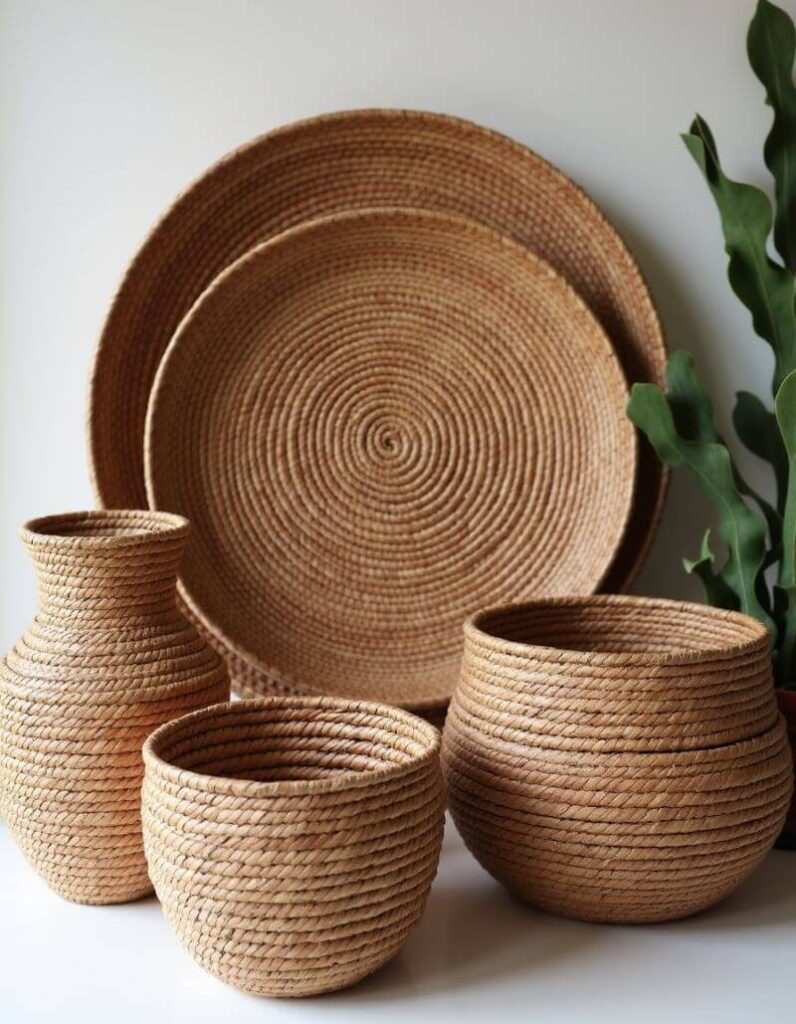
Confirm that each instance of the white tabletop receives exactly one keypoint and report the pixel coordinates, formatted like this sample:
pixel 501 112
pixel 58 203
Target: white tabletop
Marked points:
pixel 478 955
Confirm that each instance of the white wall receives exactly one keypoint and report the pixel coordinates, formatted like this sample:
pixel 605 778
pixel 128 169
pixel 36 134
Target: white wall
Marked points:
pixel 110 107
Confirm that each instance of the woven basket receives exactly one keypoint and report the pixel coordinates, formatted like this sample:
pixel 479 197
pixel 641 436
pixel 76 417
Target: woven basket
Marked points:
pixel 353 160
pixel 107 659
pixel 292 841
pixel 357 459
pixel 617 759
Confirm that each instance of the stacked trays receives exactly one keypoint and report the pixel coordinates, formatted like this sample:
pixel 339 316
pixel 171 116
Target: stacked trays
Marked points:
pixel 354 460
pixel 292 841
pixel 617 759
pixel 325 168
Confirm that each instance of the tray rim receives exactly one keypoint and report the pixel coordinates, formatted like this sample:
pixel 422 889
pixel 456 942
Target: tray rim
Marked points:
pixel 631 553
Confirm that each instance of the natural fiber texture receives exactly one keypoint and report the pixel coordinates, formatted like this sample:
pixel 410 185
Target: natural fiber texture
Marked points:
pixel 374 426
pixel 106 660
pixel 293 841
pixel 618 674
pixel 348 161
pixel 617 759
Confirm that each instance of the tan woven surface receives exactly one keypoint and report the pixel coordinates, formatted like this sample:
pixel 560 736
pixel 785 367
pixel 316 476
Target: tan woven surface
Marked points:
pixel 293 841
pixel 617 759
pixel 346 161
pixel 374 427
pixel 106 660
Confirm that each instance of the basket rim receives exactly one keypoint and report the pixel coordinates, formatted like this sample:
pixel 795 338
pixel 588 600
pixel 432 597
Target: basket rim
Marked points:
pixel 54 530
pixel 241 787
pixel 476 629
pixel 713 760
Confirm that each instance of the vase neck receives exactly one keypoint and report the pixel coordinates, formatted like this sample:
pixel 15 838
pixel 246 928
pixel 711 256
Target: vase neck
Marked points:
pixel 129 586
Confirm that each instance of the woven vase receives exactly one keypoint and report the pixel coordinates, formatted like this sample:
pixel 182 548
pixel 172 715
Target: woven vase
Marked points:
pixel 106 660
pixel 293 841
pixel 617 758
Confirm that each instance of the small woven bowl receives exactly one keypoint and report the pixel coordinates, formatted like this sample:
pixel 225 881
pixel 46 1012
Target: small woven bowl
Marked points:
pixel 293 841
pixel 574 775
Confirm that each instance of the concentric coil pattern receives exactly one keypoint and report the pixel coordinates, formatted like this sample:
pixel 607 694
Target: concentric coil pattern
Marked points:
pixel 107 659
pixel 347 161
pixel 373 424
pixel 617 759
pixel 292 842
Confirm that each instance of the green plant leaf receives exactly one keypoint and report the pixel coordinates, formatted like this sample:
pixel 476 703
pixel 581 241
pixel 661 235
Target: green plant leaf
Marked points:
pixel 785 605
pixel 692 410
pixel 785 408
pixel 691 406
pixel 757 428
pixel 763 286
pixel 717 593
pixel 771 46
pixel 740 528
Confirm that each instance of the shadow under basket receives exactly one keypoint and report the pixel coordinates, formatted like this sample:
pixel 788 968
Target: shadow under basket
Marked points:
pixel 292 841
pixel 617 758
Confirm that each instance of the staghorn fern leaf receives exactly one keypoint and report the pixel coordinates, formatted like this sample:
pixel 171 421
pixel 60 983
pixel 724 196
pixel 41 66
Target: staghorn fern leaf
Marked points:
pixel 740 528
pixel 785 405
pixel 717 593
pixel 690 403
pixel 771 46
pixel 757 428
pixel 766 288
pixel 679 424
pixel 692 411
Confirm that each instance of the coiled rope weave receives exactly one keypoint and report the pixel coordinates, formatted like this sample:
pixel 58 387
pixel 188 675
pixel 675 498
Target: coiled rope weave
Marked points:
pixel 617 759
pixel 293 841
pixel 373 425
pixel 106 660
pixel 347 161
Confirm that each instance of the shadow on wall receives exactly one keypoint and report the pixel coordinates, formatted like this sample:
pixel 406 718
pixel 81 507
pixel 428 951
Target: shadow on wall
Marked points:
pixel 687 513
pixel 686 516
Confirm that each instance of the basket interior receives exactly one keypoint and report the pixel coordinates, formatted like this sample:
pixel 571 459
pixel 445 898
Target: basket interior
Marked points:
pixel 622 626
pixel 288 741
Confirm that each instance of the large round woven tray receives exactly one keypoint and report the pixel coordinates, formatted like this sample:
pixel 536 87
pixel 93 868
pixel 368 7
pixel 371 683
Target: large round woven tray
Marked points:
pixel 352 160
pixel 377 423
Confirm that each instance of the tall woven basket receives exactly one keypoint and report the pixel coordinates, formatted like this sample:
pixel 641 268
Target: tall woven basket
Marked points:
pixel 617 759
pixel 293 841
pixel 107 659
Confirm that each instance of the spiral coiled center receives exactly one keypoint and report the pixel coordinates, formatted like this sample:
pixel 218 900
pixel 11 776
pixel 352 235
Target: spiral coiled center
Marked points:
pixel 378 424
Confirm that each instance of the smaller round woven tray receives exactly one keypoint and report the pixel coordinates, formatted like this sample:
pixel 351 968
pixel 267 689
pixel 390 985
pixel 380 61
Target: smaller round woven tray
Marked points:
pixel 377 423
